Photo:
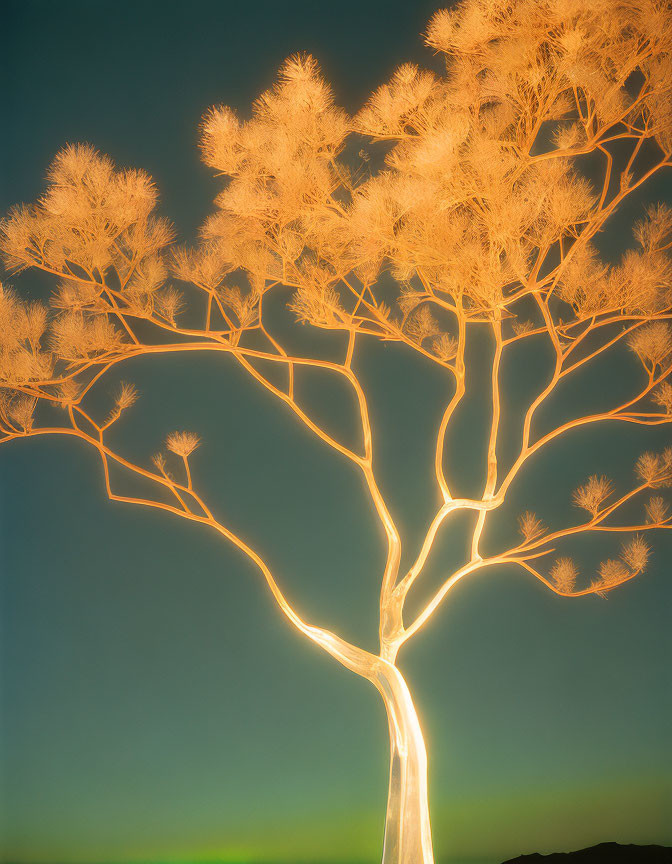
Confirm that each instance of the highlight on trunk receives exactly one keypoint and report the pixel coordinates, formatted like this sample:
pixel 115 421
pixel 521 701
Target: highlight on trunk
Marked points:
pixel 479 194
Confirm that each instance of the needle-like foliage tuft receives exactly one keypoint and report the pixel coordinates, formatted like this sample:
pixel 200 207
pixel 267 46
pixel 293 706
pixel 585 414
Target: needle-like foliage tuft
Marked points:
pixel 182 443
pixel 593 494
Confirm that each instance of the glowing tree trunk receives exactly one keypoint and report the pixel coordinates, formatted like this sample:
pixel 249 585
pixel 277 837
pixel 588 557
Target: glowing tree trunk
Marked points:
pixel 408 838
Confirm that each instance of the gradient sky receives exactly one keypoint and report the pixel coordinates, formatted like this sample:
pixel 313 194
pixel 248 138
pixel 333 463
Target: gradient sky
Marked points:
pixel 156 706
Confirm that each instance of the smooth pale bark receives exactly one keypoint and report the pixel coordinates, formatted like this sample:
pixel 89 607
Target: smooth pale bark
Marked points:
pixel 408 837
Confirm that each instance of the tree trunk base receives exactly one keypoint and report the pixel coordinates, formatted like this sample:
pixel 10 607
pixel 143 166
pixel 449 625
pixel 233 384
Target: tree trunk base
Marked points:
pixel 408 837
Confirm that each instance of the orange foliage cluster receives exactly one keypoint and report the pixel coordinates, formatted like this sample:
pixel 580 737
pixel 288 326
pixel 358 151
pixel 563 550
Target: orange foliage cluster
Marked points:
pixel 481 211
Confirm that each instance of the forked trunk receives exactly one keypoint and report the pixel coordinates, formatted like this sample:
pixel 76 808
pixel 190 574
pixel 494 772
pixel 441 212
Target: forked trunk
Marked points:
pixel 408 837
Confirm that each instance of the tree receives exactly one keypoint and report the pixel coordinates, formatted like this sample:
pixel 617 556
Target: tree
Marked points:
pixel 482 220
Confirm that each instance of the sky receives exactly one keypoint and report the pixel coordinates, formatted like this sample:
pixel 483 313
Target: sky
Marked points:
pixel 156 707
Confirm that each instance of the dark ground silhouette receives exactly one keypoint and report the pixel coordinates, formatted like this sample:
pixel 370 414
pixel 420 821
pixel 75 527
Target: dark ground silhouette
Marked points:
pixel 603 853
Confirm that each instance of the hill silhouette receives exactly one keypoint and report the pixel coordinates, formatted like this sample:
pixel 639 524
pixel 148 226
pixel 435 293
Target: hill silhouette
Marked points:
pixel 603 853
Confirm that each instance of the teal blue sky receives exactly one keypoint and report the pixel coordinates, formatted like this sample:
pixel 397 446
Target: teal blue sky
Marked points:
pixel 156 707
